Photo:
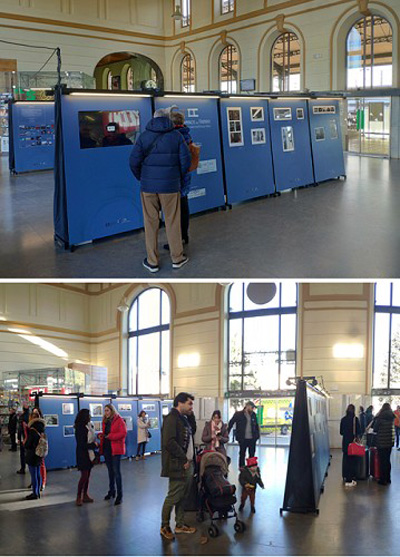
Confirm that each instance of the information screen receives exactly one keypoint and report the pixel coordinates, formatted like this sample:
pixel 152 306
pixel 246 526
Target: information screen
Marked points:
pixel 104 128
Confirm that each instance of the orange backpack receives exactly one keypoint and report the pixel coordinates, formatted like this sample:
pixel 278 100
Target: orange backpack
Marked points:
pixel 195 153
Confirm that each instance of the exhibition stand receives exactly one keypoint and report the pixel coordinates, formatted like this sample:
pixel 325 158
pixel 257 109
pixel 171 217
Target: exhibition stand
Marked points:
pixel 247 152
pixel 309 455
pixel 326 139
pixel 201 116
pixel 32 136
pixel 290 140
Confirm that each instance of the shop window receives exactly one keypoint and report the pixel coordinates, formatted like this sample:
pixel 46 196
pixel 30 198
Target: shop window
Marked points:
pixel 262 340
pixel 285 57
pixel 369 60
pixel 149 344
pixel 109 80
pixel 187 74
pixel 130 79
pixel 228 69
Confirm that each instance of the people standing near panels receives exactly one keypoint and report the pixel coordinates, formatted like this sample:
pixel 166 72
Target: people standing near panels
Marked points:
pixel 215 433
pixel 23 421
pixel 143 426
pixel 158 160
pixel 36 414
pixel 384 429
pixel 349 430
pixel 36 428
pixel 247 431
pixel 86 445
pixel 177 457
pixel 363 420
pixel 397 427
pixel 112 446
pixel 12 429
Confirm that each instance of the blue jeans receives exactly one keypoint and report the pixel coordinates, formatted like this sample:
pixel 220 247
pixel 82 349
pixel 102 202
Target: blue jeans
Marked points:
pixel 36 479
pixel 114 473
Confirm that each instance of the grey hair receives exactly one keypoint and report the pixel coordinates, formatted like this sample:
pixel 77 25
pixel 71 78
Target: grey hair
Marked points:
pixel 178 117
pixel 161 112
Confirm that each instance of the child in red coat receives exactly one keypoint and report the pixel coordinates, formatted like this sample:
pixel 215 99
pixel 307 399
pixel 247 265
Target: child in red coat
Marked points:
pixel 249 478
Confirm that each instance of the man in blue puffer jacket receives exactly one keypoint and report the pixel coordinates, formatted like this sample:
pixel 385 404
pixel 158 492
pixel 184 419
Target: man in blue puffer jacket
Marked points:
pixel 159 160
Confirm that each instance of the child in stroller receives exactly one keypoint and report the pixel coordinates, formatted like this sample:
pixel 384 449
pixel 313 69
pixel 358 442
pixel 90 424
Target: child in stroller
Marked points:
pixel 216 494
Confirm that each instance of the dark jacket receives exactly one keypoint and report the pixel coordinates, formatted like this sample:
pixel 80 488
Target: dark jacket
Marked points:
pixel 23 421
pixel 12 424
pixel 240 420
pixel 246 477
pixel 223 438
pixel 36 428
pixel 363 421
pixel 83 461
pixel 187 178
pixel 348 431
pixel 384 429
pixel 176 434
pixel 160 158
pixel 369 416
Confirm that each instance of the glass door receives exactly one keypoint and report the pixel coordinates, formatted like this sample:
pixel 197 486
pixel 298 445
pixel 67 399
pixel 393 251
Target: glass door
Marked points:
pixel 368 126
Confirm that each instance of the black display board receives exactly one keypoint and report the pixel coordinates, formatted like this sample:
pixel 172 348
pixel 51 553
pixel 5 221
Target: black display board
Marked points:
pixel 309 456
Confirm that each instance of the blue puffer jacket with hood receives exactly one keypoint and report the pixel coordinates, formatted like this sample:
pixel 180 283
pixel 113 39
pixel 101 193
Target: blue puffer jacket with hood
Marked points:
pixel 162 170
pixel 187 179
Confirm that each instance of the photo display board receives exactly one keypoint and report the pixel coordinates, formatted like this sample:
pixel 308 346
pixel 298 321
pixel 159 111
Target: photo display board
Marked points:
pixel 96 193
pixel 309 455
pixel 152 409
pixel 246 148
pixel 201 116
pixel 291 148
pixel 59 413
pixel 326 139
pixel 32 131
pixel 128 409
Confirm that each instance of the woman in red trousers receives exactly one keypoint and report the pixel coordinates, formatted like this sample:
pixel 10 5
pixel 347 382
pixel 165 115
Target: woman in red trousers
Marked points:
pixel 112 447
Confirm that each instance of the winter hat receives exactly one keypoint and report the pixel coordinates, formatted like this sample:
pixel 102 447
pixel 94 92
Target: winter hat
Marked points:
pixel 252 461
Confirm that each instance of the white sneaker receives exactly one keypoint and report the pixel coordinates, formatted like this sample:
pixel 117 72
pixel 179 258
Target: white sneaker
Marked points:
pixel 354 482
pixel 349 484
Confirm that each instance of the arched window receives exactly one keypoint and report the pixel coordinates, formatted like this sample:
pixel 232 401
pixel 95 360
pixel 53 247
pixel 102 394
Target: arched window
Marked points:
pixel 285 58
pixel 228 69
pixel 262 339
pixel 130 79
pixel 109 80
pixel 369 48
pixel 187 74
pixel 149 344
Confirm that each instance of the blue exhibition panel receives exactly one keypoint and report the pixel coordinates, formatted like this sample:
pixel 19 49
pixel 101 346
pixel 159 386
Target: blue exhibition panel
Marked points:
pixel 127 407
pixel 101 195
pixel 291 146
pixel 201 115
pixel 152 409
pixel 326 139
pixel 165 408
pixel 247 148
pixel 59 413
pixel 95 404
pixel 32 143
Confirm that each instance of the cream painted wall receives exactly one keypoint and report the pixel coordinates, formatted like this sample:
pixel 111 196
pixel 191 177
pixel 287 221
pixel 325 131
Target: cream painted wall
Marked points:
pixel 87 31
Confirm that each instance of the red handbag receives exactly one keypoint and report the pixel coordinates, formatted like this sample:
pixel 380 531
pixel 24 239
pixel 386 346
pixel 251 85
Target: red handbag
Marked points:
pixel 355 448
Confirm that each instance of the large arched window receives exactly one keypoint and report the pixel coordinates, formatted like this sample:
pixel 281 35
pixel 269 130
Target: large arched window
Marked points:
pixel 228 69
pixel 130 79
pixel 109 80
pixel 285 59
pixel 369 53
pixel 262 340
pixel 149 344
pixel 187 74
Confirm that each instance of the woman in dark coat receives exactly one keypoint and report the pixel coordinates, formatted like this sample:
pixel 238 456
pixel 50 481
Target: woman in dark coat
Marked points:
pixel 215 433
pixel 384 429
pixel 36 428
pixel 349 429
pixel 85 446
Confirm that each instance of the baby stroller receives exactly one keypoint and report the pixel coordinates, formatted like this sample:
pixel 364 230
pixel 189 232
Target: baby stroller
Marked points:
pixel 216 494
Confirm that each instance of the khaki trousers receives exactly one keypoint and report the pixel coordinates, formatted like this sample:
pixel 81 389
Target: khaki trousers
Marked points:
pixel 170 203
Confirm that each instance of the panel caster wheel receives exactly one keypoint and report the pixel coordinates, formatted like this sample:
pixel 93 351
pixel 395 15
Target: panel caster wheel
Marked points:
pixel 322 489
pixel 239 526
pixel 213 531
pixel 317 512
pixel 200 517
pixel 280 512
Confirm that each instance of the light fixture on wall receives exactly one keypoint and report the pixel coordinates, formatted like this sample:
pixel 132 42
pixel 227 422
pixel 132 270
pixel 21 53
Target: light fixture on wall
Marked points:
pixel 352 350
pixel 189 360
pixel 123 306
pixel 261 293
pixel 177 15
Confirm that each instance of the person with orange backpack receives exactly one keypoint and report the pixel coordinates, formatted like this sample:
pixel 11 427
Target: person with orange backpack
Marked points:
pixel 397 427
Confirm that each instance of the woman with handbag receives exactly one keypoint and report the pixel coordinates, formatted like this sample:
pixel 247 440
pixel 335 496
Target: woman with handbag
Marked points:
pixel 36 427
pixel 143 434
pixel 350 430
pixel 215 433
pixel 85 437
pixel 384 429
pixel 112 446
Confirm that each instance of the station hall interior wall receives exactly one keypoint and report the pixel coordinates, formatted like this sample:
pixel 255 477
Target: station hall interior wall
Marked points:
pixel 87 31
pixel 83 320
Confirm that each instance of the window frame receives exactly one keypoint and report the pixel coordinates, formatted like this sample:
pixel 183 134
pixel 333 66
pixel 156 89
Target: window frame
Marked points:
pixel 230 4
pixel 229 49
pixel 242 315
pixel 192 66
pixel 288 65
pixel 186 7
pixel 160 328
